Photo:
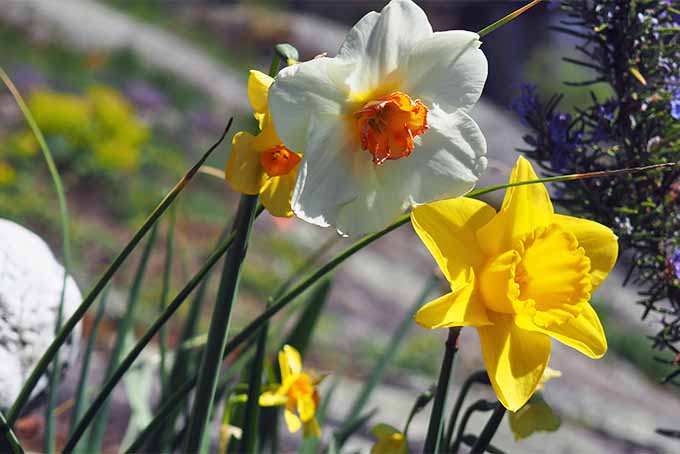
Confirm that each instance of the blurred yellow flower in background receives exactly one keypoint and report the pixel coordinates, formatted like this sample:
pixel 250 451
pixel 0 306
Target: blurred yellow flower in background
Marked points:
pixel 101 123
pixel 520 276
pixel 8 174
pixel 261 164
pixel 390 440
pixel 297 392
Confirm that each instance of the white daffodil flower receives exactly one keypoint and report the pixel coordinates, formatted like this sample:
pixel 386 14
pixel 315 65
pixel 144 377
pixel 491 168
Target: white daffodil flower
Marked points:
pixel 384 124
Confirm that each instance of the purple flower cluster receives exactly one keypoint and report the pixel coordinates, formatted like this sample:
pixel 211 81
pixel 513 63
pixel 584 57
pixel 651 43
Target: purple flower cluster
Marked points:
pixel 675 262
pixel 525 104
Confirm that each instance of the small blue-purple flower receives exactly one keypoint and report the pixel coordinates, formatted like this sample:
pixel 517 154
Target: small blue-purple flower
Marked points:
pixel 526 103
pixel 675 262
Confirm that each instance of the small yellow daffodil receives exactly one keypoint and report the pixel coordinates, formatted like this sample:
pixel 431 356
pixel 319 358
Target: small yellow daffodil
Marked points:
pixel 520 276
pixel 261 164
pixel 297 392
pixel 390 440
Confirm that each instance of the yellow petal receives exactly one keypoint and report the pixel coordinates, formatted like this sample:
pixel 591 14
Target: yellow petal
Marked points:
pixel 524 208
pixel 292 421
pixel 461 307
pixel 258 91
pixel 599 242
pixel 515 359
pixel 306 408
pixel 276 194
pixel 583 333
pixel 448 230
pixel 272 398
pixel 244 172
pixel 311 428
pixel 289 362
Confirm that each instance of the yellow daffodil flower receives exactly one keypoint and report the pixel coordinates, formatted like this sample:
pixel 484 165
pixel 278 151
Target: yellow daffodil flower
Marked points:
pixel 384 124
pixel 261 164
pixel 390 440
pixel 520 276
pixel 297 392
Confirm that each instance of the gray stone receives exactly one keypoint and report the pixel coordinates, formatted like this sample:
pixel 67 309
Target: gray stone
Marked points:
pixel 31 282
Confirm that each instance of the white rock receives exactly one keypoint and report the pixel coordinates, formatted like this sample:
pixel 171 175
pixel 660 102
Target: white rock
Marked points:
pixel 30 291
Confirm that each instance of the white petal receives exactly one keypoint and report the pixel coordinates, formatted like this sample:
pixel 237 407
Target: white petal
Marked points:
pixel 377 205
pixel 447 161
pixel 448 69
pixel 382 41
pixel 304 90
pixel 356 41
pixel 326 177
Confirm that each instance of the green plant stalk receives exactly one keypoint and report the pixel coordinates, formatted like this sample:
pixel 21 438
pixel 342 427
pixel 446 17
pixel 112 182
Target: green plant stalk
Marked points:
pixel 433 430
pixel 165 292
pixel 100 421
pixel 213 352
pixel 219 324
pixel 67 328
pixel 251 416
pixel 66 251
pixel 81 391
pixel 480 405
pixel 50 419
pixel 477 377
pixel 9 443
pixel 145 339
pixel 488 29
pixel 489 430
pixel 183 357
pixel 392 347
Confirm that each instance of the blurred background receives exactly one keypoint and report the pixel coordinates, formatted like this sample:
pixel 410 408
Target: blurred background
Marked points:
pixel 129 93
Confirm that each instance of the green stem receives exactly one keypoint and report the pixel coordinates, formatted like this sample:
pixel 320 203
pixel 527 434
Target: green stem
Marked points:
pixel 91 296
pixel 219 325
pixel 123 328
pixel 433 430
pixel 489 430
pixel 8 441
pixel 477 377
pixel 144 341
pixel 165 292
pixel 513 15
pixel 480 405
pixel 251 415
pixel 81 393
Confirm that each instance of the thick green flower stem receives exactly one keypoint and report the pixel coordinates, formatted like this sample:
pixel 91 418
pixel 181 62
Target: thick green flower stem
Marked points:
pixel 67 328
pixel 480 405
pixel 251 415
pixel 433 430
pixel 477 377
pixel 489 430
pixel 219 324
